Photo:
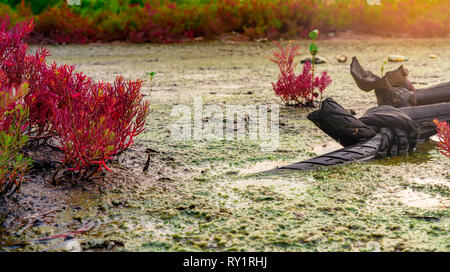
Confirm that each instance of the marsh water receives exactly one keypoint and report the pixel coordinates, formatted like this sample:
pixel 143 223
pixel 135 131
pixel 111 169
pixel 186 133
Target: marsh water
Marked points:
pixel 207 195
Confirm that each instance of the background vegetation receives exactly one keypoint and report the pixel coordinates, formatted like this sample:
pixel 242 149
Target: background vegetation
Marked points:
pixel 177 20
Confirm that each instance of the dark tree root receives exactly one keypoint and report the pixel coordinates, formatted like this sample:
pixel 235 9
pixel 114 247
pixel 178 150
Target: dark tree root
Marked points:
pixel 381 131
pixel 149 151
pixel 147 163
pixel 85 175
pixel 365 79
pixel 55 174
pixel 339 124
pixel 364 151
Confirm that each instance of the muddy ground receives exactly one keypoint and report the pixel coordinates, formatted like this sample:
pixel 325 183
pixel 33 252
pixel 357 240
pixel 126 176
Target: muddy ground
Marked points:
pixel 207 195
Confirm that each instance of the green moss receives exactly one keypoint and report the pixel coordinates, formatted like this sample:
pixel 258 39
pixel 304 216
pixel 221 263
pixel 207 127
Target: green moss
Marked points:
pixel 218 207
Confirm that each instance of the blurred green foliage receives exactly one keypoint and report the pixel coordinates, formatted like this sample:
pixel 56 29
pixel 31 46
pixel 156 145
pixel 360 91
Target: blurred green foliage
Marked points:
pixel 37 6
pixel 175 20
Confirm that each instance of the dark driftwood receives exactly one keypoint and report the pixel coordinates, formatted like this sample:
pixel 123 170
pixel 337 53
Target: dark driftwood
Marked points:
pixel 394 88
pixel 403 117
pixel 434 94
pixel 339 124
pixel 364 151
pixel 381 131
pixel 424 115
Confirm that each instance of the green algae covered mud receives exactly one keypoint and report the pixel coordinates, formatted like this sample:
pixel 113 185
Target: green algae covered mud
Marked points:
pixel 209 195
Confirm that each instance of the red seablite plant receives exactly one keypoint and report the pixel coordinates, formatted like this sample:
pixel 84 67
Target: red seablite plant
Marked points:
pixel 39 97
pixel 443 132
pixel 295 89
pixel 91 121
pixel 285 58
pixel 19 66
pixel 95 121
pixel 13 51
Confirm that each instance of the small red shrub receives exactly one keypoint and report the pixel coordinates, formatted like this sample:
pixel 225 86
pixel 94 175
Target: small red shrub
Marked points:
pixel 91 121
pixel 295 89
pixel 19 66
pixel 443 132
pixel 13 51
pixel 39 98
pixel 285 57
pixel 62 25
pixel 95 121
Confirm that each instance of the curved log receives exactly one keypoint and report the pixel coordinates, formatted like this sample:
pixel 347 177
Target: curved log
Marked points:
pixel 339 124
pixel 363 151
pixel 423 117
pixel 365 79
pixel 434 94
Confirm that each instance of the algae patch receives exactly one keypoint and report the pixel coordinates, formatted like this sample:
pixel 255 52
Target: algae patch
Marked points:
pixel 208 195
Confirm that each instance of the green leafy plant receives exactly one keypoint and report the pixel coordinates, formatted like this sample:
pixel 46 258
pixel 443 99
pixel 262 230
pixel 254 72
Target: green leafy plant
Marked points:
pixel 13 123
pixel 382 67
pixel 151 75
pixel 313 50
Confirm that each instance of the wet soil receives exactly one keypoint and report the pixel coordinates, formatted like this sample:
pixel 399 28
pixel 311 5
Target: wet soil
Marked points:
pixel 207 195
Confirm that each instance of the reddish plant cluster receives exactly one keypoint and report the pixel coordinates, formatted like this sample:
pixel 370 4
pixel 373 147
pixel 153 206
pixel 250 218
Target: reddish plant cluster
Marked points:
pixel 94 121
pixel 91 121
pixel 294 89
pixel 18 66
pixel 443 132
pixel 62 25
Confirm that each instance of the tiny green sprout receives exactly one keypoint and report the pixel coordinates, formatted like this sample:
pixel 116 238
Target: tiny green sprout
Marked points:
pixel 313 34
pixel 382 67
pixel 151 75
pixel 313 49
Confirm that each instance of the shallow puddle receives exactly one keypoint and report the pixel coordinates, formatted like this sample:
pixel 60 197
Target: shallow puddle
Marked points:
pixel 326 148
pixel 422 154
